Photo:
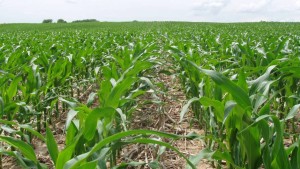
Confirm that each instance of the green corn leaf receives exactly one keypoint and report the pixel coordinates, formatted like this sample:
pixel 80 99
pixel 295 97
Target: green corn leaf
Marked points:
pixel 280 46
pixel 242 81
pixel 123 118
pixel 278 158
pixel 249 141
pixel 1 107
pixel 148 82
pixel 266 132
pixel 263 95
pixel 12 90
pixel 78 160
pixel 51 145
pixel 203 154
pixel 278 154
pixel 71 133
pixel 265 110
pixel 23 162
pixel 31 130
pixel 255 122
pixel 294 70
pixel 8 122
pixel 8 129
pixel 71 114
pixel 92 119
pixel 118 91
pixel 238 93
pixel 70 103
pixel 138 67
pixel 23 147
pixel 255 84
pixel 294 157
pixel 91 99
pixel 66 154
pixel 96 70
pixel 218 155
pixel 293 112
pixel 154 164
pixel 185 108
pixel 219 108
pixel 92 164
pixel 227 109
pixel 105 91
pixel 100 156
pixel 266 157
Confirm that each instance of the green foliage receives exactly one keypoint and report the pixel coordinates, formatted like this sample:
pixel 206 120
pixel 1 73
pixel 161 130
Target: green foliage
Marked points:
pixel 239 92
pixel 85 20
pixel 61 21
pixel 47 21
pixel 241 82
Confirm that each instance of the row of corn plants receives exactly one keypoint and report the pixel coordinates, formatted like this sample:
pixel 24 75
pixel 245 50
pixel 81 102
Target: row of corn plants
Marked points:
pixel 45 74
pixel 244 93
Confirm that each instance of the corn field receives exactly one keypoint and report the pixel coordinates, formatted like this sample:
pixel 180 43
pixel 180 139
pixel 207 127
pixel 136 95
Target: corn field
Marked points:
pixel 241 83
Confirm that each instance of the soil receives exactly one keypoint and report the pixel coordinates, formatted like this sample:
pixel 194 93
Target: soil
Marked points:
pixel 166 118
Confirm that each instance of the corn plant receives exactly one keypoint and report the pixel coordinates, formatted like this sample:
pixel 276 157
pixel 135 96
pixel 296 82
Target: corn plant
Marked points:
pixel 238 115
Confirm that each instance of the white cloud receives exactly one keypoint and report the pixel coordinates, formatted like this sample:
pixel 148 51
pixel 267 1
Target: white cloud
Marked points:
pixel 71 1
pixel 254 6
pixel 297 5
pixel 209 6
pixel 2 1
pixel 266 6
pixel 287 6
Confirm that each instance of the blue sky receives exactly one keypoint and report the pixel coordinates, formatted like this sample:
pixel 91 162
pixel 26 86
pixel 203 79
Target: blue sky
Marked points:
pixel 34 11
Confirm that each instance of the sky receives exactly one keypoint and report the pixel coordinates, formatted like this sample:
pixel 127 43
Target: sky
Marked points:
pixel 35 11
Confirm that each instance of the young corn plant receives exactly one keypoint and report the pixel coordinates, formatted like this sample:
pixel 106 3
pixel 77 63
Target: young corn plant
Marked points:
pixel 95 136
pixel 250 135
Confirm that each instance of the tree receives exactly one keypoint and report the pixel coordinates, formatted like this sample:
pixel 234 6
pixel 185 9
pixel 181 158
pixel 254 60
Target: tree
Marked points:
pixel 85 20
pixel 61 21
pixel 47 21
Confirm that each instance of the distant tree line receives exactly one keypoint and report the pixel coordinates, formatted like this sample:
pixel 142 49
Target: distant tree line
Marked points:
pixel 85 20
pixel 47 21
pixel 63 21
